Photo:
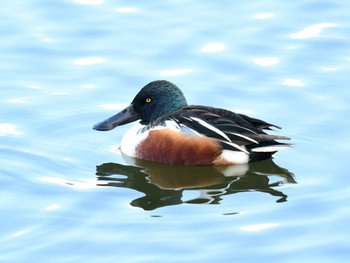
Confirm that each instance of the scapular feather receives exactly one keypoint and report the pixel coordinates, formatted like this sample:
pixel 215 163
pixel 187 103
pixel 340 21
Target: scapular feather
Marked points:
pixel 234 127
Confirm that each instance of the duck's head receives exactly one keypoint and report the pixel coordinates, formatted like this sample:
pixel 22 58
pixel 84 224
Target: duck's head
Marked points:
pixel 154 100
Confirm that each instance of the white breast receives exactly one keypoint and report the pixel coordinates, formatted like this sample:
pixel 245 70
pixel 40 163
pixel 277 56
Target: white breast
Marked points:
pixel 132 138
pixel 135 135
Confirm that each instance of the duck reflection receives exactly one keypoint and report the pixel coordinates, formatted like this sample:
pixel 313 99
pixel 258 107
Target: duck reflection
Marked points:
pixel 164 184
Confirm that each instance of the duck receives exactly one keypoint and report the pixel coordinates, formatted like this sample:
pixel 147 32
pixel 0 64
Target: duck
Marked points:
pixel 172 132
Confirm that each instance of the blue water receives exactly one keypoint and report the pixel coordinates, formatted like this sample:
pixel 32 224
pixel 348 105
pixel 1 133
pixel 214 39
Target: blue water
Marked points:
pixel 67 194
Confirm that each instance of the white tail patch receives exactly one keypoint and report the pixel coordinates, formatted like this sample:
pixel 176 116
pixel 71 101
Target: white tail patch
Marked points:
pixel 271 148
pixel 235 157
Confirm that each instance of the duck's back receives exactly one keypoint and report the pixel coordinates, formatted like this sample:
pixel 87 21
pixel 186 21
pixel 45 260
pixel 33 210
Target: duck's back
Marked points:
pixel 235 132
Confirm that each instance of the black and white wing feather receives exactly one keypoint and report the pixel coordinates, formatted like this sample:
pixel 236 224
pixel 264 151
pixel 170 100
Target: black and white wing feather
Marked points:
pixel 235 132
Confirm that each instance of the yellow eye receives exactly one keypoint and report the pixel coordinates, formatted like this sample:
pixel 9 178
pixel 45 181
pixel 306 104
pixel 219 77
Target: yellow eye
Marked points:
pixel 148 100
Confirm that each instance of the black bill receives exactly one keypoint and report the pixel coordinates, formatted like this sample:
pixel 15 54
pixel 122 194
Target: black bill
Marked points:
pixel 125 116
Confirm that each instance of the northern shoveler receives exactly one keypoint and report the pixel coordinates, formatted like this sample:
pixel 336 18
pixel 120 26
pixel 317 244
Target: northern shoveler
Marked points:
pixel 172 132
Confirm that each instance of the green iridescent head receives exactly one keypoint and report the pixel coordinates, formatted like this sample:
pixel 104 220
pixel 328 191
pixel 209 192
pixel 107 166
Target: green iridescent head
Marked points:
pixel 154 100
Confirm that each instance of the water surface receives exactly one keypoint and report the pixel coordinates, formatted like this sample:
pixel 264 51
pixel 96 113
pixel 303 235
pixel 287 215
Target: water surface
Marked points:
pixel 69 196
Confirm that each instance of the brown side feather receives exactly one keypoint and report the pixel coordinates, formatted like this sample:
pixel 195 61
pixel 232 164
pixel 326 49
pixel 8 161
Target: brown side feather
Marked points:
pixel 174 147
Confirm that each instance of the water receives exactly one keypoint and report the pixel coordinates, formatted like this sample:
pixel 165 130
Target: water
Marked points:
pixel 69 196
